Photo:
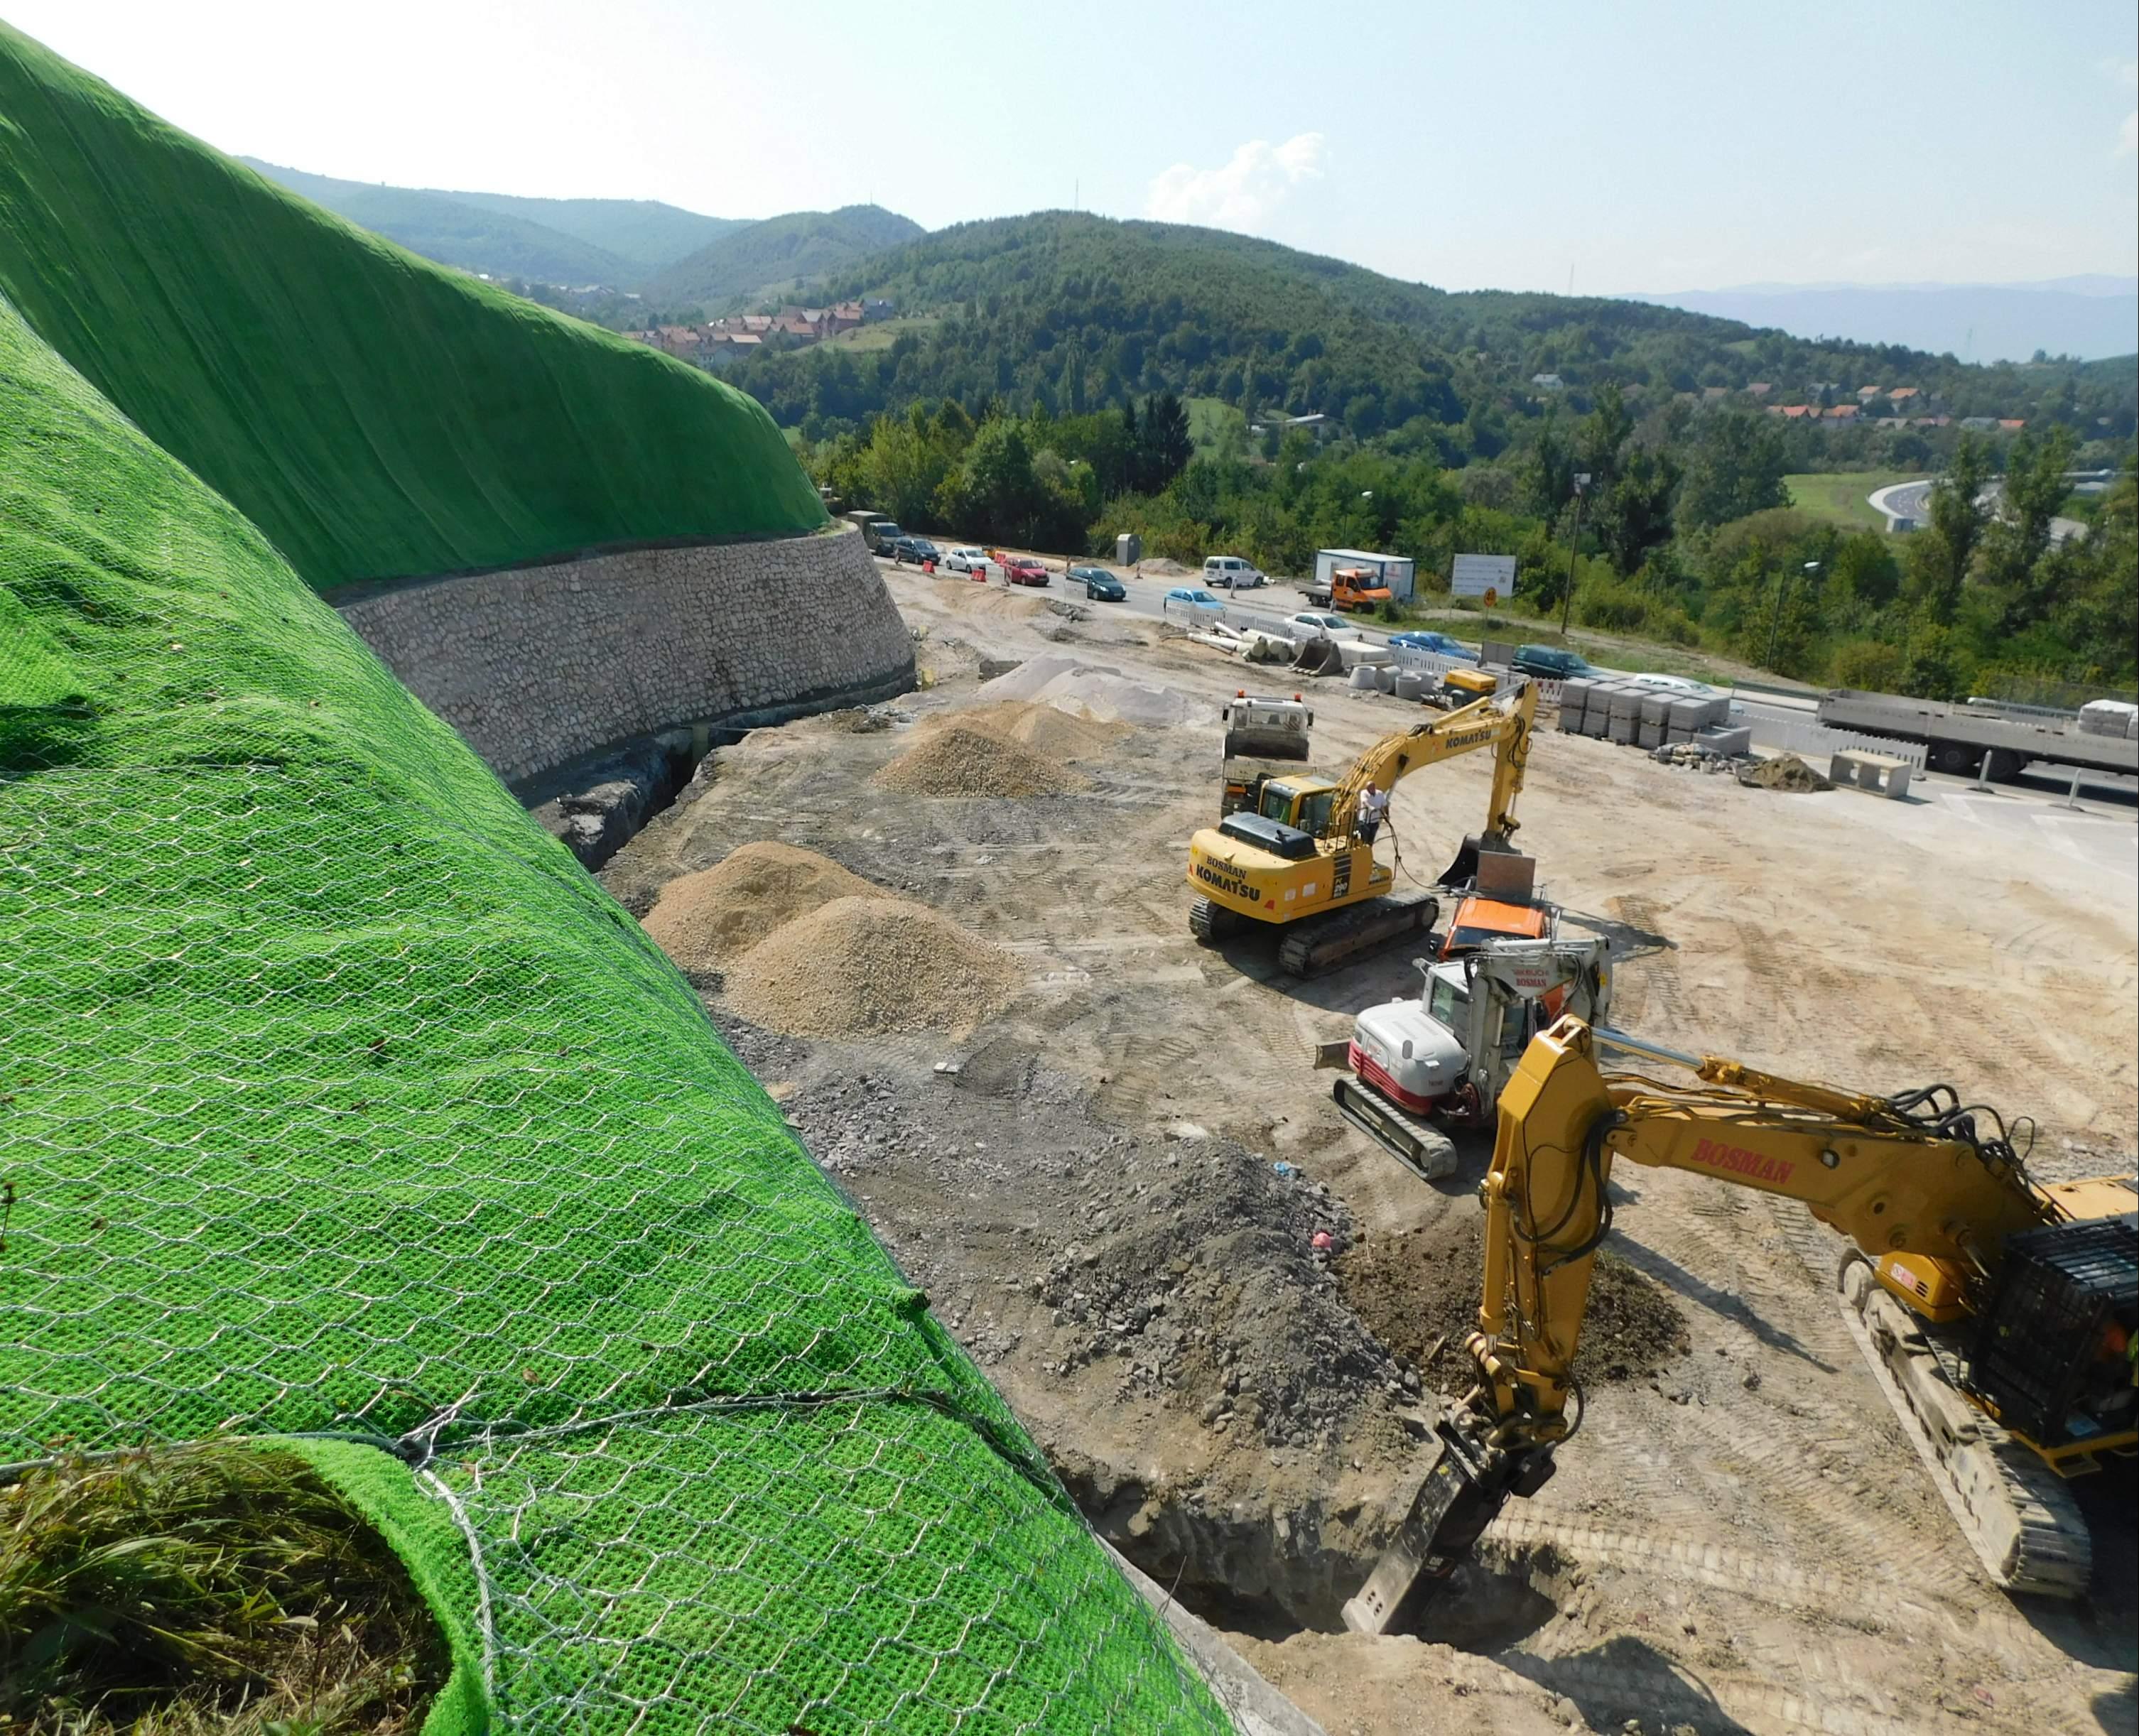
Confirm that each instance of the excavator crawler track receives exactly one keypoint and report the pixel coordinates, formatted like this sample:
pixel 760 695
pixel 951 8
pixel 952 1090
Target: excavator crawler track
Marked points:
pixel 2024 1525
pixel 1419 1146
pixel 1315 945
pixel 1212 923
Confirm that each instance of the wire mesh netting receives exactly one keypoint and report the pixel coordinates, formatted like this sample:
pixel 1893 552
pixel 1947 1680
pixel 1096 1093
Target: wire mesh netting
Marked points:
pixel 379 416
pixel 336 1101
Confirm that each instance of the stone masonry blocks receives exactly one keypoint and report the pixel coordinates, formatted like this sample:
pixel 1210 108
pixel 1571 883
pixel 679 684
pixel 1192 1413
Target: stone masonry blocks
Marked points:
pixel 537 667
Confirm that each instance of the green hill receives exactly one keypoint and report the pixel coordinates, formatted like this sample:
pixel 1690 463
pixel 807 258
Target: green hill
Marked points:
pixel 1061 306
pixel 645 233
pixel 377 415
pixel 342 1105
pixel 795 253
pixel 457 232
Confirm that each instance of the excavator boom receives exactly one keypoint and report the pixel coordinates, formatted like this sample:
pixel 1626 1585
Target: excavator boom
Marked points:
pixel 1908 1180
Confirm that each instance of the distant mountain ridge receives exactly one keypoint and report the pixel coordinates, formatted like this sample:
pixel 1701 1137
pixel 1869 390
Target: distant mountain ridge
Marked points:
pixel 617 243
pixel 797 250
pixel 2092 317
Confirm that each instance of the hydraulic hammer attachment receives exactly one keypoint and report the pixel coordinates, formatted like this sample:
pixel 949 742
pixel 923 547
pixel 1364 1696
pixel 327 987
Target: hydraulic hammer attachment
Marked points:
pixel 1464 1492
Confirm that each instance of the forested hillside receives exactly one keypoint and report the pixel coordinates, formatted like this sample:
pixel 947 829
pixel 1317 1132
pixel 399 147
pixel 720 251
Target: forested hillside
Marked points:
pixel 1071 311
pixel 799 250
pixel 454 232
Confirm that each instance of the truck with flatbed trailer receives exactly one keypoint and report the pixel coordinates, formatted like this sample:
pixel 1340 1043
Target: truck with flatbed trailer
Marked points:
pixel 1967 739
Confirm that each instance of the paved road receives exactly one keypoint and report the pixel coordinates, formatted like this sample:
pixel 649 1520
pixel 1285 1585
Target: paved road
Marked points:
pixel 1912 501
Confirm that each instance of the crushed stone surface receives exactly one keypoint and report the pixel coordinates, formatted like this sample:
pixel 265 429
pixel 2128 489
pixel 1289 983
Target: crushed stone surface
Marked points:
pixel 956 760
pixel 871 965
pixel 703 920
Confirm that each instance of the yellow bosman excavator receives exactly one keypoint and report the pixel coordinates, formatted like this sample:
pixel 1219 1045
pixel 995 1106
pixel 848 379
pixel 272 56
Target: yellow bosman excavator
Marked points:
pixel 1298 865
pixel 1997 1315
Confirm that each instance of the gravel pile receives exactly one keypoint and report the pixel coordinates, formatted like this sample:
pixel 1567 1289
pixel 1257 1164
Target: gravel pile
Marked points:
pixel 1785 772
pixel 956 760
pixel 871 965
pixel 1048 730
pixel 704 920
pixel 1204 1277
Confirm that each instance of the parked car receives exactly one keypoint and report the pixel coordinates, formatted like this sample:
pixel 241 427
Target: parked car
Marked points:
pixel 1230 573
pixel 1100 585
pixel 1439 643
pixel 1310 623
pixel 1024 569
pixel 1685 687
pixel 1548 664
pixel 918 549
pixel 967 559
pixel 1192 598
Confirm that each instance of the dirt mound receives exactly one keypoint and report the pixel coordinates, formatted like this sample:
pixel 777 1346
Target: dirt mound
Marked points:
pixel 1418 1292
pixel 1049 730
pixel 703 920
pixel 956 760
pixel 1786 772
pixel 868 966
pixel 990 603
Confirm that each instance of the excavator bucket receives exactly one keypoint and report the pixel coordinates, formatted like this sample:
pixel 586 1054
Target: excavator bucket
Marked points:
pixel 1464 869
pixel 1462 1494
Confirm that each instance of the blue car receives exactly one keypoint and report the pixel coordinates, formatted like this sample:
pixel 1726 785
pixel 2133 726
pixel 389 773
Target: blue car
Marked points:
pixel 1439 643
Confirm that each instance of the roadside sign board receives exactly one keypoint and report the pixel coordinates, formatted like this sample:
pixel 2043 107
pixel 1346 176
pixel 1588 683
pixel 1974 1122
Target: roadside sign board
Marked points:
pixel 1475 574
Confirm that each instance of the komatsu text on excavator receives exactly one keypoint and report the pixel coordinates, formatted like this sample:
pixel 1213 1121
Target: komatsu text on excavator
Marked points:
pixel 1997 1315
pixel 1299 865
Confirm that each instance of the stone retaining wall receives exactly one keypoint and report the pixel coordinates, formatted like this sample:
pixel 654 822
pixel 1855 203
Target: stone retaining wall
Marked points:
pixel 538 667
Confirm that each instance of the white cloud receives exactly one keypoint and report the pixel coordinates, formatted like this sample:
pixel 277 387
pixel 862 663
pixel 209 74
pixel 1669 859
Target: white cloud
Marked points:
pixel 1243 194
pixel 2127 136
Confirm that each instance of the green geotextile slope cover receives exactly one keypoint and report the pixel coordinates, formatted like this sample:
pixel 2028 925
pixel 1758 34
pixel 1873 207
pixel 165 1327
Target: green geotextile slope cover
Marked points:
pixel 379 417
pixel 336 1101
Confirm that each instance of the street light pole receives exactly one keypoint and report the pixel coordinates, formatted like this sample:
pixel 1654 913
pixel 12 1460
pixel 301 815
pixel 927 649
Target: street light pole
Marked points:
pixel 1782 591
pixel 1567 600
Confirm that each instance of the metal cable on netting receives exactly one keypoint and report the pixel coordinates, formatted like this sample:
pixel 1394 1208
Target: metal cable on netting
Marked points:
pixel 337 1103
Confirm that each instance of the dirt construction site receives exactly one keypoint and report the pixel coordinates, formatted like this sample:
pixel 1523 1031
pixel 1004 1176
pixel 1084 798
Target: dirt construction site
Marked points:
pixel 949 936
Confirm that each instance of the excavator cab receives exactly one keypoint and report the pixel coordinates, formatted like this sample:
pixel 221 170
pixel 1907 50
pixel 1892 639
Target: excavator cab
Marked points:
pixel 1300 803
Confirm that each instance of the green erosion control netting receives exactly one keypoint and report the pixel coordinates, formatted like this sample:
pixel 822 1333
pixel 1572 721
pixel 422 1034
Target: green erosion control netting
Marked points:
pixel 379 416
pixel 335 1100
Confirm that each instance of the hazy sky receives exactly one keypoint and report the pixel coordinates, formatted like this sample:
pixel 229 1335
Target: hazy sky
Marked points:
pixel 1647 146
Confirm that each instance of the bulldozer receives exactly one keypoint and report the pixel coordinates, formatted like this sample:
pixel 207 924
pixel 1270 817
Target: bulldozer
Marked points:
pixel 1297 865
pixel 1444 1057
pixel 1997 1315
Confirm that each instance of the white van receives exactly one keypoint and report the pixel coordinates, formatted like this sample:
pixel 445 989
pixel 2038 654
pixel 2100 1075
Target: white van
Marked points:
pixel 1230 573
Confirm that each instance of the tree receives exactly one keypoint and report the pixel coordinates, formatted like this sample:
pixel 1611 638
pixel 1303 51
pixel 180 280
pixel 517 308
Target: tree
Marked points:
pixel 2017 560
pixel 1736 468
pixel 1162 446
pixel 1941 554
pixel 1633 514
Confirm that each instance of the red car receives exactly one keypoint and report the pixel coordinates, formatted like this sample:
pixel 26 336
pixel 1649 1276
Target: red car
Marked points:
pixel 1023 569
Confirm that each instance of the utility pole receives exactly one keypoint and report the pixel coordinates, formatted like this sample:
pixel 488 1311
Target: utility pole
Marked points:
pixel 1782 591
pixel 1566 601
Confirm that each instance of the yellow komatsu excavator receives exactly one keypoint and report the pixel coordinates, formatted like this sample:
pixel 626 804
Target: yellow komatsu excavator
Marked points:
pixel 1297 862
pixel 1997 1315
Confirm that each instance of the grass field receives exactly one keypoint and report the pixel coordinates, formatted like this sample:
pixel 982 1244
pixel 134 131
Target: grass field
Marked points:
pixel 1208 419
pixel 1840 497
pixel 883 334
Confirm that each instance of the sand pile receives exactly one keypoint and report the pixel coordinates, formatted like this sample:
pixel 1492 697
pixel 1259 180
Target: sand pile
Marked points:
pixel 956 760
pixel 1096 692
pixel 1052 730
pixel 1785 772
pixel 868 966
pixel 990 603
pixel 703 920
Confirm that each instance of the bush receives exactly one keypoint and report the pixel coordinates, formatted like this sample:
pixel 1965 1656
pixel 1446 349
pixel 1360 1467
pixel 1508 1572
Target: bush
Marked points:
pixel 1872 666
pixel 1617 607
